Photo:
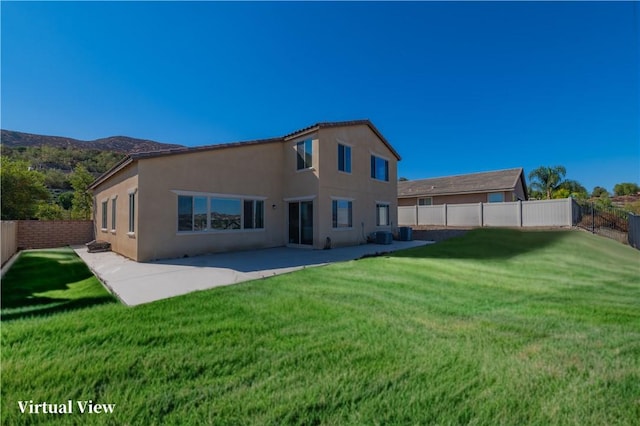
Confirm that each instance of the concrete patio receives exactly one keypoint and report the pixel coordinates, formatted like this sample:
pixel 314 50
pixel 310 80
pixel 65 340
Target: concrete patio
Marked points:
pixel 137 283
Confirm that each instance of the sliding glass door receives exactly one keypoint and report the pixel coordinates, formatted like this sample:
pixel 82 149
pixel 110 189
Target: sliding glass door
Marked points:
pixel 301 222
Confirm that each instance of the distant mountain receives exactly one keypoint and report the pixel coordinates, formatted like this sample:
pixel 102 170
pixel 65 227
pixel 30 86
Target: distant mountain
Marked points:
pixel 122 144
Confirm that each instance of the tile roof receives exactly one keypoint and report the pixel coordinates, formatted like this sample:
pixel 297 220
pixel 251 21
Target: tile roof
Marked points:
pixel 500 180
pixel 186 150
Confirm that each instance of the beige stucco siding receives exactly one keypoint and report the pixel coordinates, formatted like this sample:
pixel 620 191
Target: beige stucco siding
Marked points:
pixel 118 187
pixel 237 172
pixel 357 186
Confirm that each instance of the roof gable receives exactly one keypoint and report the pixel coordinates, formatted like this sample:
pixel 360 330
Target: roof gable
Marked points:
pixel 500 180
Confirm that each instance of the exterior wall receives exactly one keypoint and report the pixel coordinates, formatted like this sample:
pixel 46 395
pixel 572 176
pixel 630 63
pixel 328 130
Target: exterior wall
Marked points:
pixel 9 230
pixel 634 231
pixel 247 171
pixel 37 234
pixel 357 186
pixel 118 187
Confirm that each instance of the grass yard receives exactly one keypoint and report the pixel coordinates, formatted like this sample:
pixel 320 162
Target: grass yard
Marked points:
pixel 42 282
pixel 496 327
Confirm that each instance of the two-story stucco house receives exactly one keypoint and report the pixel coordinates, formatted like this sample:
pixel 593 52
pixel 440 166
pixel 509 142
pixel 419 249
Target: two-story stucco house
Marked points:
pixel 327 184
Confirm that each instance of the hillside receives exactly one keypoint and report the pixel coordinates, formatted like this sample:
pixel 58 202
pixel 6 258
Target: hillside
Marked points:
pixel 122 144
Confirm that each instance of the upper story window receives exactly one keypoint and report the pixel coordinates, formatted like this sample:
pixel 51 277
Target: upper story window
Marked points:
pixel 379 168
pixel 495 197
pixel 344 158
pixel 305 154
pixel 426 201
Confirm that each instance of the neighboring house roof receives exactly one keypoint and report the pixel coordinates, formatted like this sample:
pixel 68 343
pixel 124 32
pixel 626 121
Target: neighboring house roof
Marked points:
pixel 185 150
pixel 501 180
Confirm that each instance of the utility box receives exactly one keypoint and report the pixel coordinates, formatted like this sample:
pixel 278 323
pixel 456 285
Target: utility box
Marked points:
pixel 384 237
pixel 406 233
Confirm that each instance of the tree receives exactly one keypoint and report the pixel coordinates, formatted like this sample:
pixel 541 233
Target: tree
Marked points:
pixel 626 188
pixel 65 200
pixel 82 198
pixel 546 180
pixel 22 190
pixel 47 211
pixel 574 189
pixel 599 191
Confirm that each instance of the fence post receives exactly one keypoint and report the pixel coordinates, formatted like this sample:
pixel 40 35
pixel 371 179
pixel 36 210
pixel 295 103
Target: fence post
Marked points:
pixel 444 209
pixel 417 220
pixel 520 213
pixel 481 215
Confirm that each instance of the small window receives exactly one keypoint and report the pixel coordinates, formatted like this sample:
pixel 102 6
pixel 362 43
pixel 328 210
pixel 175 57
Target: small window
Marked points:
pixel 344 158
pixel 382 214
pixel 132 211
pixel 104 214
pixel 495 197
pixel 426 201
pixel 342 214
pixel 304 152
pixel 379 168
pixel 113 214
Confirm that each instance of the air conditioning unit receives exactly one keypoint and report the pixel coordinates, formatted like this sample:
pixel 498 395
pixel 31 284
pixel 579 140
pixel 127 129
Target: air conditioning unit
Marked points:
pixel 384 237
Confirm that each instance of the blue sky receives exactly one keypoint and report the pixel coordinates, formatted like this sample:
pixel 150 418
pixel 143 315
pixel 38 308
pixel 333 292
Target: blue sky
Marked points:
pixel 455 87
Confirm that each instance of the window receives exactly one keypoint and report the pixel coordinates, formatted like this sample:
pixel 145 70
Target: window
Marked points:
pixel 203 213
pixel 379 168
pixel 185 213
pixel 344 158
pixel 382 214
pixel 342 214
pixel 305 158
pixel 104 214
pixel 113 214
pixel 495 197
pixel 427 201
pixel 225 213
pixel 132 210
pixel 253 214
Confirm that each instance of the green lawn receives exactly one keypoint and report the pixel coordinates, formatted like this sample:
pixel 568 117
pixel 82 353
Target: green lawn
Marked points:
pixel 496 327
pixel 42 282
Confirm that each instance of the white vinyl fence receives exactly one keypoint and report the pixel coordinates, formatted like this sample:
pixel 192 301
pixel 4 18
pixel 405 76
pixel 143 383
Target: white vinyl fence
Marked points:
pixel 513 214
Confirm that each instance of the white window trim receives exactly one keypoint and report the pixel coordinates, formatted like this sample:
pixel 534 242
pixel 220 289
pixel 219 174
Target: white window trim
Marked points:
pixel 113 199
pixel 295 147
pixel 104 218
pixel 303 198
pixel 424 198
pixel 131 191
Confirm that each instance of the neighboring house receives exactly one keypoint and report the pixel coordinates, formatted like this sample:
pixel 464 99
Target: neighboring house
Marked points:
pixel 331 183
pixel 486 187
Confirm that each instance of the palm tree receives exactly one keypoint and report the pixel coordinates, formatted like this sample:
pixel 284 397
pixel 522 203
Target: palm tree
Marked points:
pixel 547 179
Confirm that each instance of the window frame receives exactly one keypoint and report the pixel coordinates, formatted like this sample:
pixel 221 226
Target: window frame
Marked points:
pixel 424 199
pixel 258 212
pixel 374 168
pixel 335 213
pixel 387 207
pixel 105 211
pixel 344 166
pixel 132 212
pixel 304 154
pixel 114 213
